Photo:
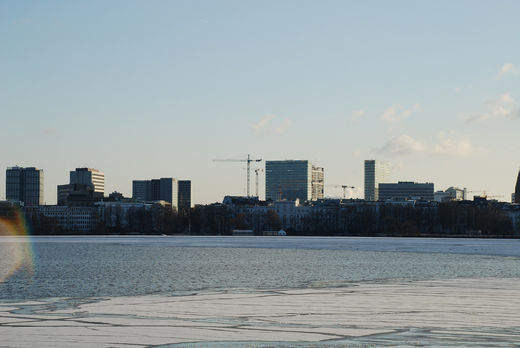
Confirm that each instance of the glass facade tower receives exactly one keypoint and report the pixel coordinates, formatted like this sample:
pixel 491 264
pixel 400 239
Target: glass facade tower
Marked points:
pixel 24 185
pixel 293 180
pixel 376 172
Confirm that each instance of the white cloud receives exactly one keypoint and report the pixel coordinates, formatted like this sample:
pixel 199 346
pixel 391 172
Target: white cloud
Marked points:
pixel 453 147
pixel 396 113
pixel 501 107
pixel 507 69
pixel 447 145
pixel 358 115
pixel 284 127
pixel 401 146
pixel 262 123
pixel 266 126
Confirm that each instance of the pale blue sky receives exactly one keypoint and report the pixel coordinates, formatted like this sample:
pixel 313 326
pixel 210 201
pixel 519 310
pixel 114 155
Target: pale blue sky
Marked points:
pixel 146 89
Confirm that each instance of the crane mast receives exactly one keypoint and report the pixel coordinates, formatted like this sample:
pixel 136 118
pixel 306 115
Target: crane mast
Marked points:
pixel 344 187
pixel 257 170
pixel 248 161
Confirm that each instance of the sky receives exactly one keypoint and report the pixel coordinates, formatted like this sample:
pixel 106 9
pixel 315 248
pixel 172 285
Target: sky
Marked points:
pixel 150 89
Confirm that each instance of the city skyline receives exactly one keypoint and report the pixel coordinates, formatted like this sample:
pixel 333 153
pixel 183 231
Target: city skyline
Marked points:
pixel 147 90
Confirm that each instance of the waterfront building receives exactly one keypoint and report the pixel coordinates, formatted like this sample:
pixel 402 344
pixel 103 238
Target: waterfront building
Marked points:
pixel 517 189
pixel 441 196
pixel 292 180
pixel 88 176
pixel 451 194
pixel 184 195
pixel 70 219
pixel 163 189
pixel 404 190
pixel 24 185
pixel 376 172
pixel 114 214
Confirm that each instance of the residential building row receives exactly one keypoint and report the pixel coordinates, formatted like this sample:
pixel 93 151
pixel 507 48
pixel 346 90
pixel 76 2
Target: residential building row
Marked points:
pixel 477 218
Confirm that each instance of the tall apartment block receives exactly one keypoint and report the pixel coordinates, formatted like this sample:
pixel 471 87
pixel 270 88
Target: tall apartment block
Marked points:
pixel 293 179
pixel 86 186
pixel 184 195
pixel 24 185
pixel 88 176
pixel 141 190
pixel 164 189
pixel 376 172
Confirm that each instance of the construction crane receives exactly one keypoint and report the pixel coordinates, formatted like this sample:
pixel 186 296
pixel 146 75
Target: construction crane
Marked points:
pixel 257 170
pixel 495 196
pixel 344 187
pixel 484 193
pixel 248 161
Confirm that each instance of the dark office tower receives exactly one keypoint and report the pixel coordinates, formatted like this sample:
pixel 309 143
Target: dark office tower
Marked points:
pixel 184 195
pixel 293 179
pixel 24 185
pixel 163 189
pixel 141 190
pixel 517 189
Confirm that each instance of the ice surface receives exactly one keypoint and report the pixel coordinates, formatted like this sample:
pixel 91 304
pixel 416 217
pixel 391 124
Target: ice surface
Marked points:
pixel 497 247
pixel 453 312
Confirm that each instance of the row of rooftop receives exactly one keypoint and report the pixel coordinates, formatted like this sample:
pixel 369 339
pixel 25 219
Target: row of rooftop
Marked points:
pixel 289 180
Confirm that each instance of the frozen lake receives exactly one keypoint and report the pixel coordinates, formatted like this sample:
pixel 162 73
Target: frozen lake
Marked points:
pixel 499 247
pixel 242 291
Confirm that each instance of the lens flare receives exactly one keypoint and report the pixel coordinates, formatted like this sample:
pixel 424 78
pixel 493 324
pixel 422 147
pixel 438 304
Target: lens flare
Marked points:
pixel 16 252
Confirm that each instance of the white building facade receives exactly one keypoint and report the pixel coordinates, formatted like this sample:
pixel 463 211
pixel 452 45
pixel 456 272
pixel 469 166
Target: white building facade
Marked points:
pixel 88 176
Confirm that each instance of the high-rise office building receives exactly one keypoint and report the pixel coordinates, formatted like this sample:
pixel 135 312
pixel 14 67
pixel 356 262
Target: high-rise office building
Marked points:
pixel 184 195
pixel 317 183
pixel 141 190
pixel 517 189
pixel 24 185
pixel 406 190
pixel 293 180
pixel 376 172
pixel 88 176
pixel 164 189
pixel 86 186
